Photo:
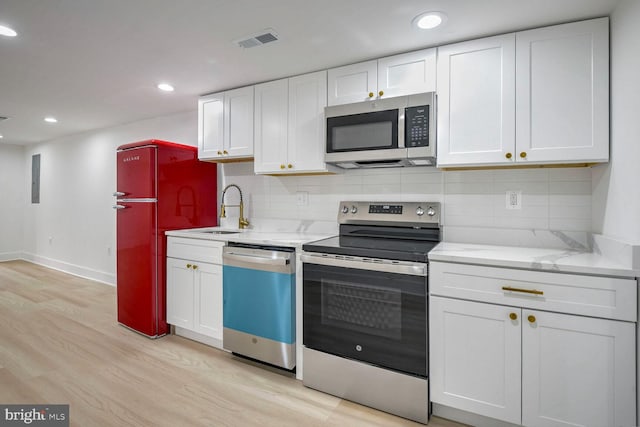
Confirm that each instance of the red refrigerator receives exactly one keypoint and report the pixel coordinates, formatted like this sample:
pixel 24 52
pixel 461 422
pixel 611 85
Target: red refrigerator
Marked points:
pixel 160 186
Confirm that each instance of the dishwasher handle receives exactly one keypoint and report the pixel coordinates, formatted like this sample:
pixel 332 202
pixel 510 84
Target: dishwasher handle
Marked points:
pixel 256 259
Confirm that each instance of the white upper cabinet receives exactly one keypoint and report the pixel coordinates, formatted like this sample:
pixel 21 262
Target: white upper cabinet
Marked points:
pixel 403 74
pixel 408 73
pixel 538 96
pixel 306 128
pixel 225 125
pixel 562 92
pixel 289 125
pixel 352 83
pixel 271 112
pixel 476 101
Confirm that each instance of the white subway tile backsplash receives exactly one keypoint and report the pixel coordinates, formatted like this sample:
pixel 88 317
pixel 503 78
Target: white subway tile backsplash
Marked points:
pixel 552 199
pixel 570 174
pixel 468 187
pixel 570 187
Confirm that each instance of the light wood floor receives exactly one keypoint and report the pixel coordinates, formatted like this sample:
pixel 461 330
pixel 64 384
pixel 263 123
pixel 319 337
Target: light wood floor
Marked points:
pixel 60 343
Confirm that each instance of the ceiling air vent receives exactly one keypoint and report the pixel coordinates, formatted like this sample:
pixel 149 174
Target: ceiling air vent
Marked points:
pixel 258 39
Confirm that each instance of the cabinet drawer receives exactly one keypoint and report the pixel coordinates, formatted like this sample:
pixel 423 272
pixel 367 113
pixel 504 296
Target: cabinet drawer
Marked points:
pixel 195 249
pixel 605 297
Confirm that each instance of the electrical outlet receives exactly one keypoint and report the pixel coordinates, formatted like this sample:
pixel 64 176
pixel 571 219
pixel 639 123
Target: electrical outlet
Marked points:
pixel 302 198
pixel 514 199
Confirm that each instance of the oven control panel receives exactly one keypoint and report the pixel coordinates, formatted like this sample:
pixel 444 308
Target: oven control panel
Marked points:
pixel 405 213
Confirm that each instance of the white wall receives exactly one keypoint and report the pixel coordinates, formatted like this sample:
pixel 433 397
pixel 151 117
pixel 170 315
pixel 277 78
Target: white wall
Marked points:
pixel 12 196
pixel 616 186
pixel 73 227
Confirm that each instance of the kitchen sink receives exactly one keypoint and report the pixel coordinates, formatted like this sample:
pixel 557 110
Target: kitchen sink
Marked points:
pixel 219 232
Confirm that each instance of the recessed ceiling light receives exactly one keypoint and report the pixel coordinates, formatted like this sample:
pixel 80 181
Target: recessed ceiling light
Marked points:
pixel 1 136
pixel 165 87
pixel 429 20
pixel 6 31
pixel 51 120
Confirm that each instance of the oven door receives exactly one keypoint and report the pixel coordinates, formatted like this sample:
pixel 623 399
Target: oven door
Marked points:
pixel 371 312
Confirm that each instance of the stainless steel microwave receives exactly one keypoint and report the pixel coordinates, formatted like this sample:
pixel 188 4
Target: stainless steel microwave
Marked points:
pixel 391 132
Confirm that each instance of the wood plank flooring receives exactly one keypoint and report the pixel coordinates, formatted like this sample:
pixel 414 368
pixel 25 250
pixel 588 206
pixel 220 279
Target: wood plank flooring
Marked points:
pixel 60 343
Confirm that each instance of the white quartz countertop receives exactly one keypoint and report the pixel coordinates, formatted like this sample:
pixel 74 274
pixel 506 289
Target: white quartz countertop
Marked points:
pixel 543 259
pixel 275 238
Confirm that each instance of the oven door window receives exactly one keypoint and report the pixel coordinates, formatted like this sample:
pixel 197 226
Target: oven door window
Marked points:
pixel 369 131
pixel 375 317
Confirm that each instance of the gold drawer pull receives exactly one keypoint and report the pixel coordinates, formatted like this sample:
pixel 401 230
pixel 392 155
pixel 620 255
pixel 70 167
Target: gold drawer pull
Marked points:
pixel 188 265
pixel 513 316
pixel 526 291
pixel 195 267
pixel 531 318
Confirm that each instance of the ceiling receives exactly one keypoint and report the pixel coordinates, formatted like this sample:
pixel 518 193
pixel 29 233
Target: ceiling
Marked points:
pixel 96 63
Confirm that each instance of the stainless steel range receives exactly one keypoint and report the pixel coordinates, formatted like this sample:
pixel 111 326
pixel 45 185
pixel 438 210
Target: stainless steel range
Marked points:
pixel 365 306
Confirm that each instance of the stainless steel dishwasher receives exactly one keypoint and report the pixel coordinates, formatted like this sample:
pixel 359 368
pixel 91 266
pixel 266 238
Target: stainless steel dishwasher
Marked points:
pixel 259 295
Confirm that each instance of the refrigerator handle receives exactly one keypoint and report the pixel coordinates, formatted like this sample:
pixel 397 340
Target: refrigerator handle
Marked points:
pixel 119 207
pixel 118 194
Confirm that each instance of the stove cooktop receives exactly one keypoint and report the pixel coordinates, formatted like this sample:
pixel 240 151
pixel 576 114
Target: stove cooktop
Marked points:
pixel 380 248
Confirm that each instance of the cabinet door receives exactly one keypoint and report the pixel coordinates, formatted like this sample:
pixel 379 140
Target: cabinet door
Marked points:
pixel 474 353
pixel 211 126
pixel 208 285
pixel 476 102
pixel 577 371
pixel 271 127
pixel 562 92
pixel 306 133
pixel 180 293
pixel 408 73
pixel 352 83
pixel 238 122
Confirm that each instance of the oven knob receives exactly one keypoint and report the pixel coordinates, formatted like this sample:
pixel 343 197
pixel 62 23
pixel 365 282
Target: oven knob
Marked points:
pixel 431 212
pixel 354 209
pixel 345 210
pixel 419 211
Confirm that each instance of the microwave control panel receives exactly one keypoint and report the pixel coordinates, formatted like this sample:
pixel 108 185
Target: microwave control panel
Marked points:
pixel 416 122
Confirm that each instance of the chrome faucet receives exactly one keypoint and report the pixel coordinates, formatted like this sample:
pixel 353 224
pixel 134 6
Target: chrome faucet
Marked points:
pixel 242 221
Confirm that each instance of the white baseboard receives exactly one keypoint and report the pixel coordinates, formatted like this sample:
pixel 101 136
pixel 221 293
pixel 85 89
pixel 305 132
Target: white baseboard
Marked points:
pixel 213 342
pixel 76 270
pixel 469 418
pixel 10 256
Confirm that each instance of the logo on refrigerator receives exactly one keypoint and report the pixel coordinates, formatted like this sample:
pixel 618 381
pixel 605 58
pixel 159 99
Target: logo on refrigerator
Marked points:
pixel 131 159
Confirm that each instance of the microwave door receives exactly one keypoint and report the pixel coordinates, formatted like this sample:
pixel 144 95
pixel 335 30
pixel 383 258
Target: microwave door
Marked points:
pixel 377 130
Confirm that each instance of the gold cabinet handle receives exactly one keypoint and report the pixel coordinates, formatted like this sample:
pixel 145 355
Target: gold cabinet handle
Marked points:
pixel 225 152
pixel 188 265
pixel 289 165
pixel 219 153
pixel 381 93
pixel 281 166
pixel 523 155
pixel 195 267
pixel 526 291
pixel 513 316
pixel 370 94
pixel 531 318
pixel 508 155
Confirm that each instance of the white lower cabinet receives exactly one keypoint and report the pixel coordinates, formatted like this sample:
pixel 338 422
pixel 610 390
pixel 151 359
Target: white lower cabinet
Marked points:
pixel 474 355
pixel 194 286
pixel 529 366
